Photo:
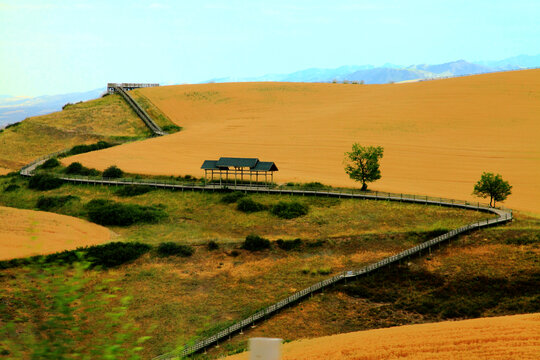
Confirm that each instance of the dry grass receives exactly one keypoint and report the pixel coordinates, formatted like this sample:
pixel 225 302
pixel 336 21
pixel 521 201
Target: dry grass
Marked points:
pixel 507 337
pixel 107 118
pixel 439 136
pixel 4 171
pixel 26 233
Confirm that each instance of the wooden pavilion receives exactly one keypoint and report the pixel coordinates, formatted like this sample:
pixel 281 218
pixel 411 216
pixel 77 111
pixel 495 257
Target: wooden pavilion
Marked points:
pixel 241 170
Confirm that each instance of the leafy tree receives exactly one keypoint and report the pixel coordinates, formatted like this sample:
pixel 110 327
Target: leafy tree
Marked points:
pixel 113 172
pixel 362 163
pixel 492 186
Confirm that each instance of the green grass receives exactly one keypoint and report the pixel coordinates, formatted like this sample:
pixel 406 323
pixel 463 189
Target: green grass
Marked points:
pixel 196 218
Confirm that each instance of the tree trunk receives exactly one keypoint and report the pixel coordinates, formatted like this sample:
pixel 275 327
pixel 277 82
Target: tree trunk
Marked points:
pixel 364 187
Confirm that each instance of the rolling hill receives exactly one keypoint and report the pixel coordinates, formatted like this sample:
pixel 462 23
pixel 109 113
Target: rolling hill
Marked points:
pixel 507 337
pixel 439 136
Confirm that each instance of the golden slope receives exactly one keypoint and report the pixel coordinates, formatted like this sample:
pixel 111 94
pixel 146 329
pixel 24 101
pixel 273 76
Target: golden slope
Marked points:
pixel 26 232
pixel 506 337
pixel 439 136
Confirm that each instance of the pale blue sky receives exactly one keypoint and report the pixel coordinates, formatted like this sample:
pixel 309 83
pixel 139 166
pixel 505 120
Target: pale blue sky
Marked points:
pixel 52 47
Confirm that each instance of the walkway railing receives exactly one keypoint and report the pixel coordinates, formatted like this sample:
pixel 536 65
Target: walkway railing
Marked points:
pixel 156 130
pixel 503 216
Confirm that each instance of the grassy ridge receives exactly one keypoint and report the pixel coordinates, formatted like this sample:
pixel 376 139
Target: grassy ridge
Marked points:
pixel 199 217
pixel 109 119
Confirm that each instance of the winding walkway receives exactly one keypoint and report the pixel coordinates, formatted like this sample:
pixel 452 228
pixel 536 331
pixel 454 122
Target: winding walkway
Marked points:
pixel 503 216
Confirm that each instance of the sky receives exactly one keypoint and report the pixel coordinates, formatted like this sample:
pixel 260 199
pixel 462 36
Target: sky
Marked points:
pixel 55 47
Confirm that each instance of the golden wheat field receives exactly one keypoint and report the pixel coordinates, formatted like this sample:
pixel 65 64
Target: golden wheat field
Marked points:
pixel 438 136
pixel 26 232
pixel 506 337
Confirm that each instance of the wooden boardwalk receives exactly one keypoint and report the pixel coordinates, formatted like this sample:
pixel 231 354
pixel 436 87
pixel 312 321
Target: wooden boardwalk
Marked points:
pixel 503 216
pixel 154 128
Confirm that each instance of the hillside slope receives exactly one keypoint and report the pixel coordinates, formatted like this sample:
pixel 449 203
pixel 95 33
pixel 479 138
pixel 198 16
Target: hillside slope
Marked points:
pixel 27 233
pixel 507 337
pixel 108 118
pixel 439 136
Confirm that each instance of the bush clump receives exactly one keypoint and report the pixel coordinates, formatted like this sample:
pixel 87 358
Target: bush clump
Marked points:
pixel 113 172
pixel 53 202
pixel 289 210
pixel 49 164
pixel 173 249
pixel 133 190
pixel 249 206
pixel 232 197
pixel 171 128
pixel 108 212
pixel 44 182
pixel 212 245
pixel 105 256
pixel 313 186
pixel 11 187
pixel 255 243
pixel 79 169
pixel 79 149
pixel 289 244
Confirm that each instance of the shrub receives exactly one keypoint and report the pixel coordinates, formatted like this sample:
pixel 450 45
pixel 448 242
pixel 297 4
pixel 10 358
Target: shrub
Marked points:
pixel 249 206
pixel 288 244
pixel 174 249
pixel 107 255
pixel 255 243
pixel 234 253
pixel 324 271
pixel 51 202
pixel 49 164
pixel 313 186
pixel 77 168
pixel 232 197
pixel 108 212
pixel 44 182
pixel 11 187
pixel 212 245
pixel 289 210
pixel 171 128
pixel 79 149
pixel 133 190
pixel 113 172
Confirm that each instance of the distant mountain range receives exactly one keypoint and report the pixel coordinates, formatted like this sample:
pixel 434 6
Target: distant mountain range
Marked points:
pixel 395 73
pixel 14 109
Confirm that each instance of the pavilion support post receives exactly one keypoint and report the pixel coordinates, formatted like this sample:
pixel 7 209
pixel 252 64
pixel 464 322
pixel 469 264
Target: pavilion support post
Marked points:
pixel 235 176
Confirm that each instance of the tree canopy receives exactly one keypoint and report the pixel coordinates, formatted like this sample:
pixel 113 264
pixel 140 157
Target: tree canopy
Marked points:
pixel 362 163
pixel 492 186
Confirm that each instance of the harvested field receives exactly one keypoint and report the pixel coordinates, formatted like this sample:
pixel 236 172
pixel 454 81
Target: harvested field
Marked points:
pixel 26 233
pixel 4 171
pixel 506 337
pixel 439 136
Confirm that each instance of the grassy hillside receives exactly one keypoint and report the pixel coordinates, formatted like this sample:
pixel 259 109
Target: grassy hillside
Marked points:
pixel 439 136
pixel 488 273
pixel 107 118
pixel 508 337
pixel 196 218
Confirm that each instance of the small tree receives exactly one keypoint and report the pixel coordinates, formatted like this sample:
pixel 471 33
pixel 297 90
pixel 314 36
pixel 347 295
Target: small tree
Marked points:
pixel 362 163
pixel 492 186
pixel 113 172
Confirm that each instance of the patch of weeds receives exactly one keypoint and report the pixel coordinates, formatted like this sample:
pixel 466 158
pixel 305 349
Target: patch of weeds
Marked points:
pixel 255 243
pixel 313 186
pixel 113 172
pixel 523 240
pixel 44 182
pixel 324 271
pixel 212 245
pixel 173 249
pixel 11 187
pixel 420 237
pixel 234 253
pixel 133 190
pixel 289 244
pixel 316 243
pixel 54 202
pixel 108 212
pixel 76 168
pixel 79 149
pixel 171 128
pixel 247 205
pixel 289 210
pixel 232 197
pixel 49 164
